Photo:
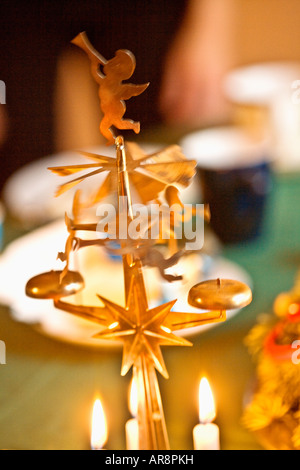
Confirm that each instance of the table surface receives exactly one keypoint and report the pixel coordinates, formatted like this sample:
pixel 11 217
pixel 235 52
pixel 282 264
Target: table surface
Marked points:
pixel 47 387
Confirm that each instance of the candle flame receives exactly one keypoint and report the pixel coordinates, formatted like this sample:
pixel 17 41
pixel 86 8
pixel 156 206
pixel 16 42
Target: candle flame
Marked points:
pixel 133 398
pixel 99 433
pixel 207 411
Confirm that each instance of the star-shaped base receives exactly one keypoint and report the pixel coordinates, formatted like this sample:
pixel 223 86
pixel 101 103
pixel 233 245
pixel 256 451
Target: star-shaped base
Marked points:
pixel 141 330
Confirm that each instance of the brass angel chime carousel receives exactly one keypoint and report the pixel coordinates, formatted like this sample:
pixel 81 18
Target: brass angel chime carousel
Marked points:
pixel 141 329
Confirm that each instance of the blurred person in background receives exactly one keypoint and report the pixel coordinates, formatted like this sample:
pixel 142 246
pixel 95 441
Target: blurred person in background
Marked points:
pixel 199 57
pixel 183 48
pixel 35 41
pixel 188 91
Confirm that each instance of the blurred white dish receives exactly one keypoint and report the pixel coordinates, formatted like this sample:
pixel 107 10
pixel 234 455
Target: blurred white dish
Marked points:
pixel 224 148
pixel 260 84
pixel 272 87
pixel 36 253
pixel 29 192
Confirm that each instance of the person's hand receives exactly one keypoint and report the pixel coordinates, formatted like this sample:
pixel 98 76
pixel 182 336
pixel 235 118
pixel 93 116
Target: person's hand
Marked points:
pixel 199 57
pixel 192 84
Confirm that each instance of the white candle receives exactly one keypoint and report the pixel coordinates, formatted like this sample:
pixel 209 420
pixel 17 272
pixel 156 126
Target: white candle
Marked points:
pixel 132 434
pixel 206 435
pixel 131 427
pixel 99 432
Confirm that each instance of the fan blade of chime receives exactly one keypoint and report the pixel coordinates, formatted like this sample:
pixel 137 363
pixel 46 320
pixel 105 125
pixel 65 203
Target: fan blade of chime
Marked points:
pixel 182 320
pixel 71 169
pixel 99 158
pixel 104 190
pixel 147 188
pixel 179 172
pixel 70 184
pixel 171 166
pixel 135 152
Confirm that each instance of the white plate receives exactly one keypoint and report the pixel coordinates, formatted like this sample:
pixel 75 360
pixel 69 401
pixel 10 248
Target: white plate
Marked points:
pixel 273 86
pixel 36 253
pixel 224 148
pixel 29 192
pixel 260 83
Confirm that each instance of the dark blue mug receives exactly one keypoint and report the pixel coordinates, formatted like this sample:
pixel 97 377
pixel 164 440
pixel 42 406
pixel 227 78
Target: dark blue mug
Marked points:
pixel 233 177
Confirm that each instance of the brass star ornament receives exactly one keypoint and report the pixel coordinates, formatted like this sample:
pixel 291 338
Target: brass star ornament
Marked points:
pixel 140 329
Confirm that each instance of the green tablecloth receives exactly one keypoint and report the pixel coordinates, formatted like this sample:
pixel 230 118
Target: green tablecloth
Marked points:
pixel 47 388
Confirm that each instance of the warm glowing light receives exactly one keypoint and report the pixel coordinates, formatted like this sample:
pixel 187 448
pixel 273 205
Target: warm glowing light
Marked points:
pixel 166 329
pixel 132 425
pixel 238 298
pixel 207 411
pixel 293 309
pixel 113 325
pixel 206 435
pixel 133 398
pixel 99 427
pixel 72 286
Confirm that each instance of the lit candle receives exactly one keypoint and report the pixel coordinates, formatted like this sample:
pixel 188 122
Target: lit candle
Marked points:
pixel 99 432
pixel 206 434
pixel 132 427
